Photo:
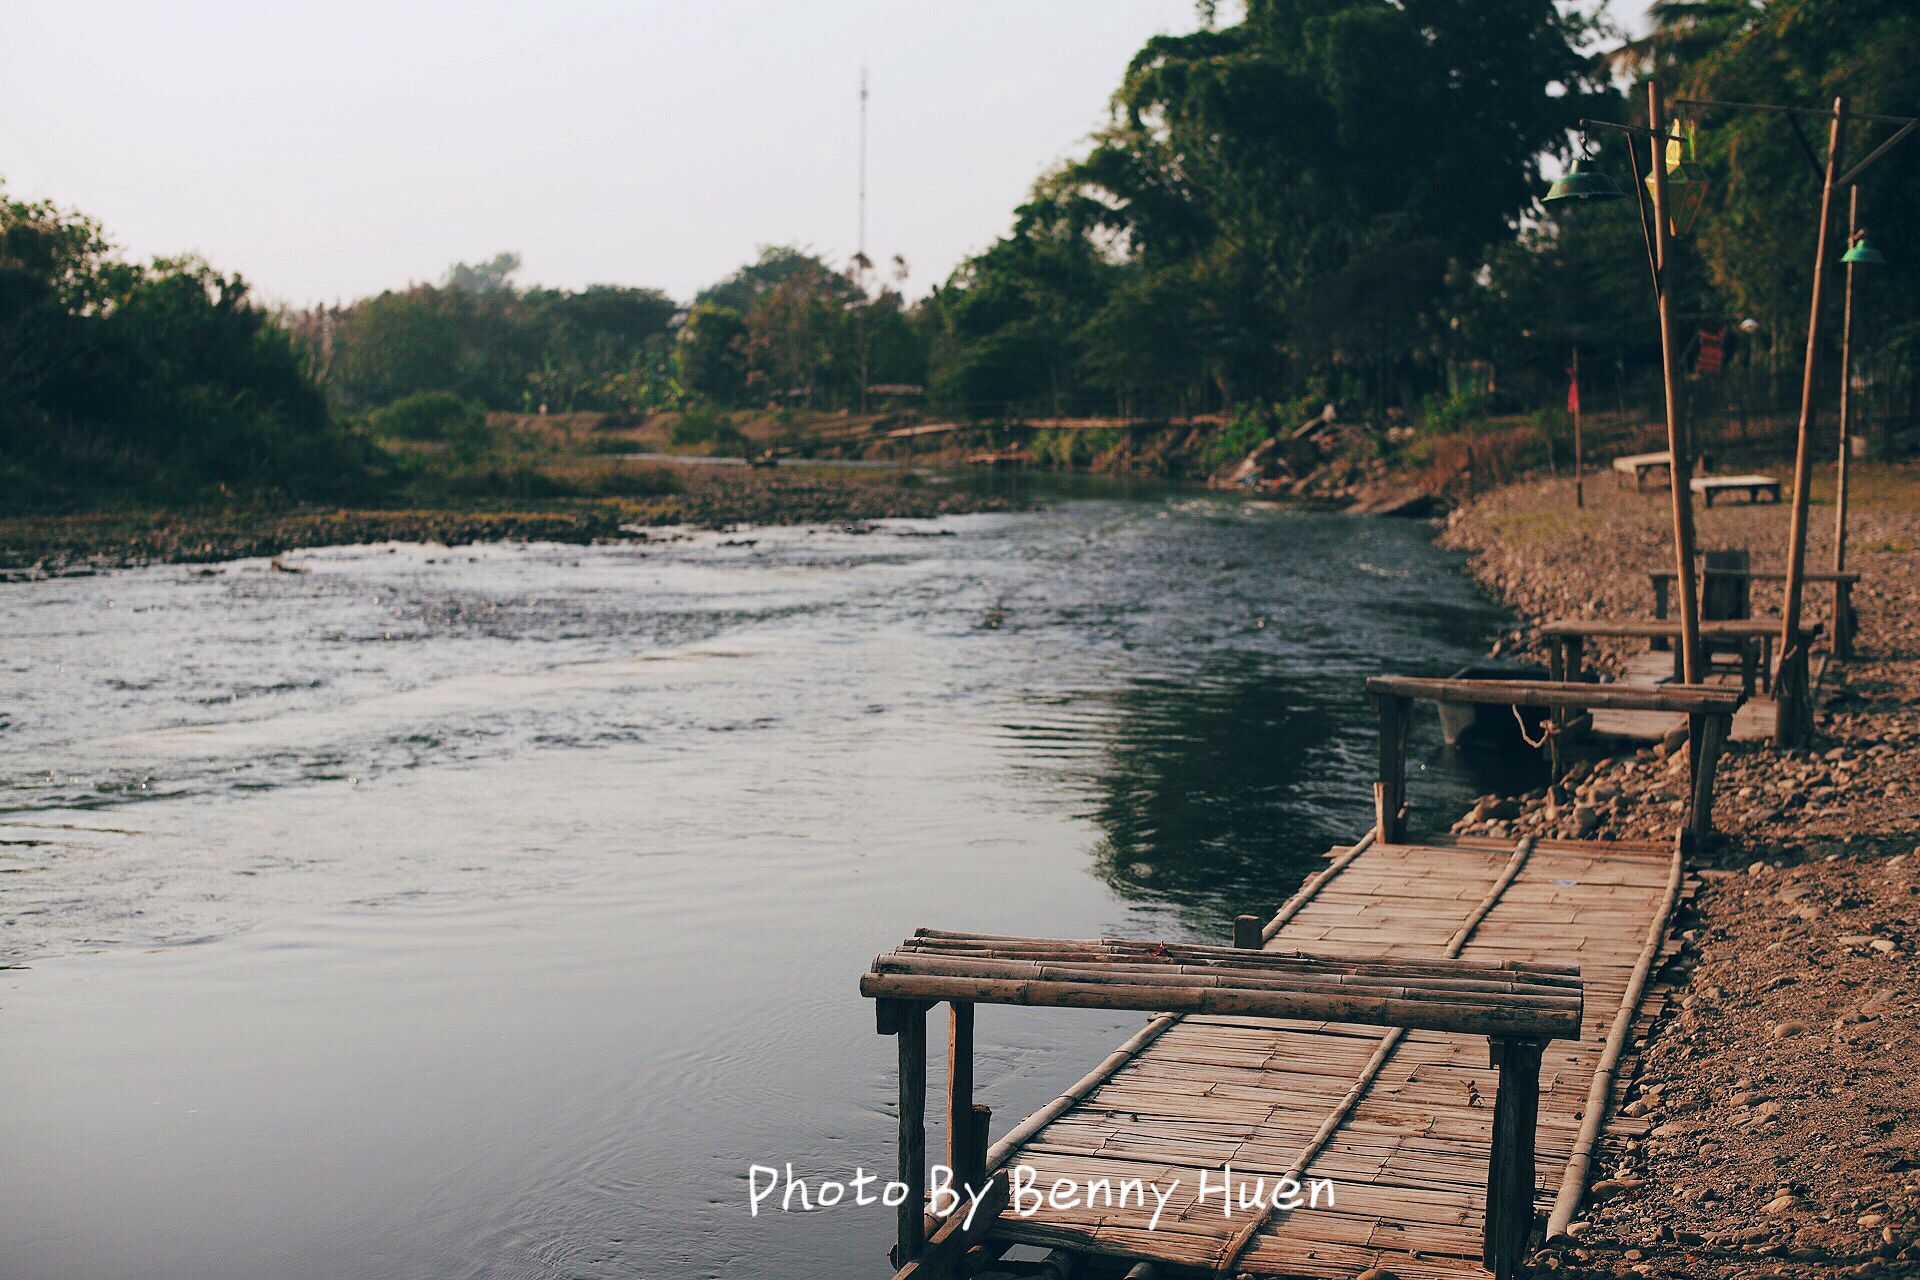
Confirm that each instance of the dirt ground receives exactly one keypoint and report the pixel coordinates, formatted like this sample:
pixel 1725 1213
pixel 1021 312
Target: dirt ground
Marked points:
pixel 1782 1081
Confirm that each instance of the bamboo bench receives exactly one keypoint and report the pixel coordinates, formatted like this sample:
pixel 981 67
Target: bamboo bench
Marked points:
pixel 1843 583
pixel 1518 1006
pixel 1638 465
pixel 1751 638
pixel 1710 487
pixel 1709 711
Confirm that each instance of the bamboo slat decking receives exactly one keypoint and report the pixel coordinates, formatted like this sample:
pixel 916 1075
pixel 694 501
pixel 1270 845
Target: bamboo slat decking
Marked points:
pixel 1753 722
pixel 1400 1121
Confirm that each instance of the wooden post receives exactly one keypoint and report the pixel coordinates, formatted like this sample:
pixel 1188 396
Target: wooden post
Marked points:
pixel 1390 793
pixel 910 1227
pixel 1680 466
pixel 1579 469
pixel 1843 619
pixel 1659 606
pixel 1706 738
pixel 960 1121
pixel 1247 933
pixel 1786 730
pixel 1792 696
pixel 973 1172
pixel 1842 637
pixel 1516 1113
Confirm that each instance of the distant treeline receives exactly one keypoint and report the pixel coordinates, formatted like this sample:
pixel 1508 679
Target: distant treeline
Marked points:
pixel 120 378
pixel 1327 200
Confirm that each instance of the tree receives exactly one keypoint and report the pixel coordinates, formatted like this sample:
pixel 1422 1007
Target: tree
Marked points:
pixel 711 353
pixel 1297 186
pixel 483 277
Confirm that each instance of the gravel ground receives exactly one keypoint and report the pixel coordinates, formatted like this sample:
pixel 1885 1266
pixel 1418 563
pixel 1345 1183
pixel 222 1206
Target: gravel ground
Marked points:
pixel 1781 1081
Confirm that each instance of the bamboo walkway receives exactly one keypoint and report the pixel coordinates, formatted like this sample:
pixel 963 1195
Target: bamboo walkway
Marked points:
pixel 1400 1121
pixel 1753 722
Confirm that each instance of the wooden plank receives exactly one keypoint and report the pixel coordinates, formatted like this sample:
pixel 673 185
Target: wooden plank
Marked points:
pixel 1690 699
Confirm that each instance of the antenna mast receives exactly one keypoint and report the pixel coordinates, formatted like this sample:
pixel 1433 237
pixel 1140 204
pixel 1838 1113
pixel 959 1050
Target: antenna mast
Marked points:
pixel 863 166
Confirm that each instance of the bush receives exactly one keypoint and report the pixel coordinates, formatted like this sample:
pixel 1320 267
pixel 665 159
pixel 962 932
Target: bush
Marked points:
pixel 431 416
pixel 705 425
pixel 1454 413
pixel 1251 425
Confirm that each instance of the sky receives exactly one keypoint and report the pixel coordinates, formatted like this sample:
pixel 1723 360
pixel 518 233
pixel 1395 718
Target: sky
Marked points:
pixel 326 152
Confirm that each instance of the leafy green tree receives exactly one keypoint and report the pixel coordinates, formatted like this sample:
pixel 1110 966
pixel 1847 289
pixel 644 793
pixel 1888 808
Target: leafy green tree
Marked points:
pixel 711 353
pixel 1297 188
pixel 162 378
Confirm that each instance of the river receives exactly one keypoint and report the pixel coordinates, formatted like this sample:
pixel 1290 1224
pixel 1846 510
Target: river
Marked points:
pixel 488 911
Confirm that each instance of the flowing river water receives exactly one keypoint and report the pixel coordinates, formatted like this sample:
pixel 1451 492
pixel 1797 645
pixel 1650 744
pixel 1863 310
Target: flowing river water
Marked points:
pixel 488 911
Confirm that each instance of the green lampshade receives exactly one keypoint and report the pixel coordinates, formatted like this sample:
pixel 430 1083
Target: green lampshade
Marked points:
pixel 1863 254
pixel 1583 183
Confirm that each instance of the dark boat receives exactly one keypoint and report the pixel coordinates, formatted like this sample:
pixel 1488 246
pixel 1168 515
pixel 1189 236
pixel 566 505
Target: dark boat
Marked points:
pixel 1489 726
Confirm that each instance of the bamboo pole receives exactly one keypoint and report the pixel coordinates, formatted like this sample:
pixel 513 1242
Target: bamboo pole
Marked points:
pixel 1574 1184
pixel 1841 631
pixel 1791 723
pixel 1680 466
pixel 1575 694
pixel 1365 982
pixel 959 1087
pixel 909 1227
pixel 1471 1014
pixel 1579 466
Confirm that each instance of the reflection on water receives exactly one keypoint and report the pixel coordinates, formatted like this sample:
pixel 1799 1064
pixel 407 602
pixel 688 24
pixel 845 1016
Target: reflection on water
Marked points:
pixel 486 911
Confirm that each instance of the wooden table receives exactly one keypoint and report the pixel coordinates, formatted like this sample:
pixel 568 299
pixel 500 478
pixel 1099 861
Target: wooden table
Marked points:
pixel 1752 485
pixel 1844 623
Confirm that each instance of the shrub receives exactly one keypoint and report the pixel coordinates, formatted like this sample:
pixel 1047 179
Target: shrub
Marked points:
pixel 1453 413
pixel 705 425
pixel 1251 424
pixel 429 415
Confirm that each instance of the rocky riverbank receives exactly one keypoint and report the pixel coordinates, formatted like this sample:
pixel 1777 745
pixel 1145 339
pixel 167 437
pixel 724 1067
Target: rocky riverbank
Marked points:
pixel 702 496
pixel 1782 1079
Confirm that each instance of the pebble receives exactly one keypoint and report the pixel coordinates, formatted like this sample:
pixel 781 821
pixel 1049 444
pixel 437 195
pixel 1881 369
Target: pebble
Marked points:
pixel 1783 1030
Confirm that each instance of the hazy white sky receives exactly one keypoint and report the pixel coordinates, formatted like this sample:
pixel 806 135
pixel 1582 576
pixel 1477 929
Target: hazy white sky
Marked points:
pixel 329 151
pixel 326 151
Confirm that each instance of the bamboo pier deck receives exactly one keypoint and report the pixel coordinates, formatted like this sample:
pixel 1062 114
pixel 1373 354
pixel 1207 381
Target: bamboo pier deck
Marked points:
pixel 1409 1158
pixel 1753 722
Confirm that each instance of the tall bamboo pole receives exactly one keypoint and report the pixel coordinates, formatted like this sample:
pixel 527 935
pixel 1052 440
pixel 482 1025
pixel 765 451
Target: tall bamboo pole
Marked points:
pixel 1842 597
pixel 1846 425
pixel 1579 467
pixel 1789 723
pixel 1680 472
